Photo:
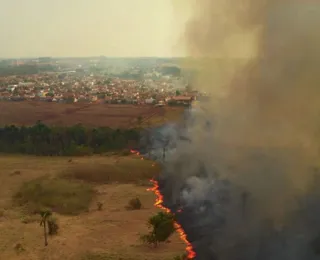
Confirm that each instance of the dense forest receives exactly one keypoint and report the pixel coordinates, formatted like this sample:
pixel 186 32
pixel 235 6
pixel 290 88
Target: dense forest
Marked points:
pixel 41 139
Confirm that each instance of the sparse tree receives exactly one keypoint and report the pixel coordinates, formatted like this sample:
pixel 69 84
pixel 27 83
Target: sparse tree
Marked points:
pixel 45 214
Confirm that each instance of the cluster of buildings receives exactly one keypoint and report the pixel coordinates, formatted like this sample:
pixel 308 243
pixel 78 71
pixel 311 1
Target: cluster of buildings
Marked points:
pixel 71 87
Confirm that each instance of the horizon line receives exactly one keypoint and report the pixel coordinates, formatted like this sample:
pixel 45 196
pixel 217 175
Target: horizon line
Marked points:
pixel 99 56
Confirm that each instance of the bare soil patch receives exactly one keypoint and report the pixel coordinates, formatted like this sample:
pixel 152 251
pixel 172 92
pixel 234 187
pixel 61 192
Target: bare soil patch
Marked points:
pixel 92 115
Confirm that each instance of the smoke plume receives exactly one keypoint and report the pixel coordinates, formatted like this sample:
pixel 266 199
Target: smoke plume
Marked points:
pixel 244 185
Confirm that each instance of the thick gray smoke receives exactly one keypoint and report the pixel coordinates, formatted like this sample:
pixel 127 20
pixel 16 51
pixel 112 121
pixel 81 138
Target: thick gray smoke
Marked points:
pixel 246 178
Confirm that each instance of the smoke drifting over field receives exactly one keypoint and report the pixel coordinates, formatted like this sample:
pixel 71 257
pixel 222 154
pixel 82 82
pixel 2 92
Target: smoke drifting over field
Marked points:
pixel 246 182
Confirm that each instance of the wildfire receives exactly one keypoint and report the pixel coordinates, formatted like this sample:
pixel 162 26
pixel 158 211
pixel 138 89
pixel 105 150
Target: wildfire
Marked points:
pixel 183 236
pixel 159 204
pixel 135 152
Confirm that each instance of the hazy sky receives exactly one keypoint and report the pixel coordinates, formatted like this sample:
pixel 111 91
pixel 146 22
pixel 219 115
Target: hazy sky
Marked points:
pixel 32 28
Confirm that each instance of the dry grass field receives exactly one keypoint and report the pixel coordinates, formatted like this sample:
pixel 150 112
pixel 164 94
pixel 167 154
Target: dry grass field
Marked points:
pixel 72 187
pixel 92 115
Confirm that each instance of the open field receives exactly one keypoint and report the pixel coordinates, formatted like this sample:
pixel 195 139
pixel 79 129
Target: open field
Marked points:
pixel 109 234
pixel 92 115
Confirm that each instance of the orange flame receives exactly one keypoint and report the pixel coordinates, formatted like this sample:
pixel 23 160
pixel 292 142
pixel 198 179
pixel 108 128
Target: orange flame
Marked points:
pixel 134 152
pixel 183 236
pixel 159 200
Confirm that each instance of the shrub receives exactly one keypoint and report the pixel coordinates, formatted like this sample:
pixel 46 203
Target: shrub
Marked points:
pixel 99 205
pixel 53 226
pixel 58 195
pixel 19 248
pixel 162 225
pixel 134 204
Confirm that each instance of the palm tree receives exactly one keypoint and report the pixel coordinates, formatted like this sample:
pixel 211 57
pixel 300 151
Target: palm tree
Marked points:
pixel 45 214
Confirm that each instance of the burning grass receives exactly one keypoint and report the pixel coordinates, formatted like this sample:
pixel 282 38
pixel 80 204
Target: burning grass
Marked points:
pixel 123 171
pixel 159 203
pixel 159 200
pixel 61 196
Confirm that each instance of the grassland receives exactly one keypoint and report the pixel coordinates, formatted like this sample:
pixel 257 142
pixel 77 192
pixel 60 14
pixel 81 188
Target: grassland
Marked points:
pixel 93 115
pixel 72 188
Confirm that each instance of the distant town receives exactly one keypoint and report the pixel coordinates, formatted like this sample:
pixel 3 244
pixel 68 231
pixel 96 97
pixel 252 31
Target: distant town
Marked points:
pixel 140 81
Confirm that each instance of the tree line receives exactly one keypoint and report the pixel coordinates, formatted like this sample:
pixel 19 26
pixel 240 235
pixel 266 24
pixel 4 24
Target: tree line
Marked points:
pixel 41 139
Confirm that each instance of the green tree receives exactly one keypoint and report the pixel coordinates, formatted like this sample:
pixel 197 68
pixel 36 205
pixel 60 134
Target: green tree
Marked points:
pixel 162 227
pixel 41 139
